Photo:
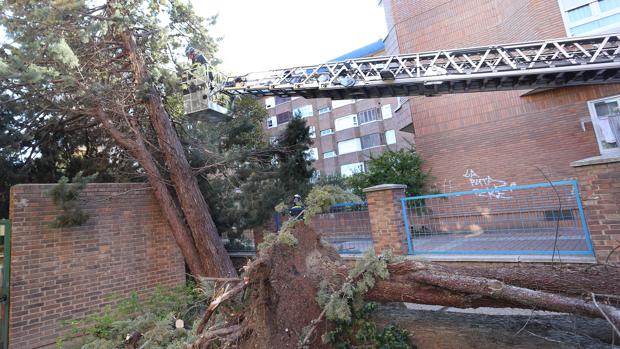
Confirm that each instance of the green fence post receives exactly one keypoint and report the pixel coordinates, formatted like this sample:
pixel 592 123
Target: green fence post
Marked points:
pixel 6 273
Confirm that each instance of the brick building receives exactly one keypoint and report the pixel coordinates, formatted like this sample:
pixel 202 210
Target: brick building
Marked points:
pixel 346 132
pixel 495 139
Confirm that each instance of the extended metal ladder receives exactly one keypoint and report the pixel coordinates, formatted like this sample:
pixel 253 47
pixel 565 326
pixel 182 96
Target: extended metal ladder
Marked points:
pixel 549 63
pixel 530 65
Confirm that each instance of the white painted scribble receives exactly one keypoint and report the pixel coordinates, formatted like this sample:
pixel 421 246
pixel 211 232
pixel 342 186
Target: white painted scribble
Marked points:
pixel 447 186
pixel 488 182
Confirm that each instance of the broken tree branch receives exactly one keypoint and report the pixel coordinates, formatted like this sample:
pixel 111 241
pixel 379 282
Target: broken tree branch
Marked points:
pixel 613 325
pixel 215 303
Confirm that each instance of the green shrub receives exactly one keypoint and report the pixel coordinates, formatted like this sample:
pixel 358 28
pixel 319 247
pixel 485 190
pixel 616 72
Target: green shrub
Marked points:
pixel 392 167
pixel 152 316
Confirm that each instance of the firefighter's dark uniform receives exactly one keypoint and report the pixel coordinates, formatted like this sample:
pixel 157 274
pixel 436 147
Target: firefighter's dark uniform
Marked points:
pixel 297 209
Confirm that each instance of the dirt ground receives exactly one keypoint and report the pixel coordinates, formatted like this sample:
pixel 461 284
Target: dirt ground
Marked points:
pixel 457 330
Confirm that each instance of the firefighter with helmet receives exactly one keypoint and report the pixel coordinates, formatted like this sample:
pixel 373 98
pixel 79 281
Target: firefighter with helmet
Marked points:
pixel 197 59
pixel 297 207
pixel 195 56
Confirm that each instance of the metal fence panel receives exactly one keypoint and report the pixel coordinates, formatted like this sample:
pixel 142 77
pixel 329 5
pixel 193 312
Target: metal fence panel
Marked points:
pixel 536 219
pixel 346 226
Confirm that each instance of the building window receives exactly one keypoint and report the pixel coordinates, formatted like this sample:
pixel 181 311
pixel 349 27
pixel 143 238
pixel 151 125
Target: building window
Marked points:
pixel 349 146
pixel 350 169
pixel 303 112
pixel 609 5
pixel 270 102
pixel 386 111
pixel 586 17
pixel 284 117
pixel 272 122
pixel 312 132
pixel 324 110
pixel 329 154
pixel 390 137
pixel 579 13
pixel 372 140
pixel 327 132
pixel 312 154
pixel 367 116
pixel 340 103
pixel 345 122
pixel 605 114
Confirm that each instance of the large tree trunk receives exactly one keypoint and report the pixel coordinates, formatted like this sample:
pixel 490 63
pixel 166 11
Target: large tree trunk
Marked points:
pixel 283 282
pixel 193 205
pixel 136 148
pixel 455 289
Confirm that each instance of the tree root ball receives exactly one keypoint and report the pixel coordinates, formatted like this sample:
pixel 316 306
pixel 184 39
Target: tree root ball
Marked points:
pixel 284 281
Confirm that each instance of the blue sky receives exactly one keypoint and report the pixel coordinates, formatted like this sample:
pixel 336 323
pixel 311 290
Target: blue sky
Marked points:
pixel 267 34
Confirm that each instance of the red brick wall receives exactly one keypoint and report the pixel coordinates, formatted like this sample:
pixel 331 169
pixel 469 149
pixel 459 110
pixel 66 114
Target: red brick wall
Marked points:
pixel 600 191
pixel 62 274
pixel 344 225
pixel 503 135
pixel 505 143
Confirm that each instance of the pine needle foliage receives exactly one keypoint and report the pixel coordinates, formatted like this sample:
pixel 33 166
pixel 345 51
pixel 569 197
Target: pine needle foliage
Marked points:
pixel 319 200
pixel 153 316
pixel 322 197
pixel 285 236
pixel 351 315
pixel 65 196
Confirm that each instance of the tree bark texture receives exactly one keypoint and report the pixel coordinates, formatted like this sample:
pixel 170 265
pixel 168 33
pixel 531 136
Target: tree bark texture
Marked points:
pixel 456 290
pixel 193 205
pixel 137 149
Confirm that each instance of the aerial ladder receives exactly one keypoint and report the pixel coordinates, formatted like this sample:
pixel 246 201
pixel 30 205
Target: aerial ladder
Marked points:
pixel 531 65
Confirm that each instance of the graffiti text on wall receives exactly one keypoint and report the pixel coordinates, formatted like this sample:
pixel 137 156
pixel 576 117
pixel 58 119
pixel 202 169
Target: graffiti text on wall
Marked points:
pixel 488 182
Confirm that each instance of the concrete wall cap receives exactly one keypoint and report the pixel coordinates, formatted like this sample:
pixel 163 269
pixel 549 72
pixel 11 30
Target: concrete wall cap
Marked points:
pixel 109 184
pixel 596 160
pixel 381 187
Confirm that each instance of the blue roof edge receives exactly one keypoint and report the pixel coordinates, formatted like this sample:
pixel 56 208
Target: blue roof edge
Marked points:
pixel 362 51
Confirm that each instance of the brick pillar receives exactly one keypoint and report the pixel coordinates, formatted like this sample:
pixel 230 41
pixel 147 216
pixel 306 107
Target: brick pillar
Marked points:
pixel 386 217
pixel 599 186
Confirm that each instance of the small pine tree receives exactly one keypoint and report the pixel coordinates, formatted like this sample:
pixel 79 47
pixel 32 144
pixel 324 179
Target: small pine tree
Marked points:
pixel 65 196
pixel 246 176
pixel 295 170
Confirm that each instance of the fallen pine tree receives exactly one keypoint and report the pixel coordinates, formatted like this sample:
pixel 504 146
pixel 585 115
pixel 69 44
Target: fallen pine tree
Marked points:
pixel 299 289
